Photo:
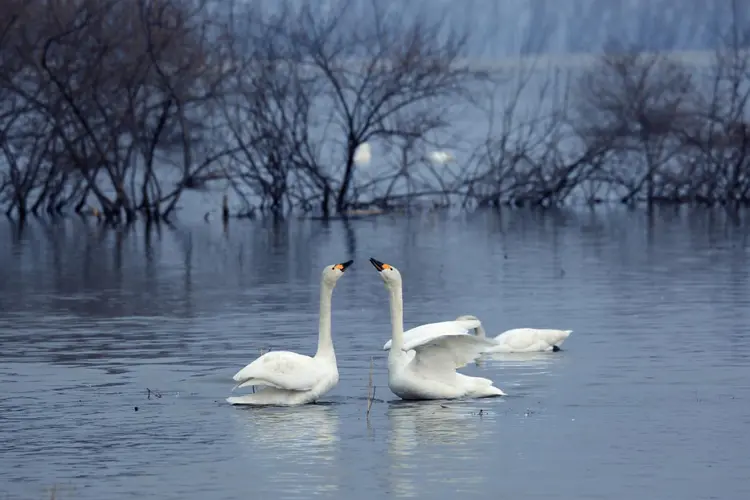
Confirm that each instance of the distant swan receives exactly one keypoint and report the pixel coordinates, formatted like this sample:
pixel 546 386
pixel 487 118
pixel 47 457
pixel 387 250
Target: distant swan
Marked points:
pixel 424 366
pixel 288 378
pixel 521 339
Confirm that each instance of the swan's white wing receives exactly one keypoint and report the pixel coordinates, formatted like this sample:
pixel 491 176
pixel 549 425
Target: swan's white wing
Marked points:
pixel 429 331
pixel 454 351
pixel 281 369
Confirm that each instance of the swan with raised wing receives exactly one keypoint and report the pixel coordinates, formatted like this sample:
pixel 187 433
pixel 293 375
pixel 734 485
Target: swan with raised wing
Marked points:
pixel 424 366
pixel 521 339
pixel 428 330
pixel 287 378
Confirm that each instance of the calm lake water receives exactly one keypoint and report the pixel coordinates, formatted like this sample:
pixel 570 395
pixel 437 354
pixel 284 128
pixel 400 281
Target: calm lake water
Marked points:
pixel 650 397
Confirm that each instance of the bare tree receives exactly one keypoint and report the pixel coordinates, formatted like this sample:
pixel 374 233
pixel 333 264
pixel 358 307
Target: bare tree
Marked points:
pixel 633 101
pixel 718 138
pixel 386 76
pixel 118 107
pixel 190 71
pixel 269 106
pixel 530 154
pixel 101 103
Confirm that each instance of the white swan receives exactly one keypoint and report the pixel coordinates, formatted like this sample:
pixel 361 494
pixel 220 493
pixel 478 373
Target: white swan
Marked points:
pixel 521 339
pixel 440 157
pixel 288 378
pixel 424 366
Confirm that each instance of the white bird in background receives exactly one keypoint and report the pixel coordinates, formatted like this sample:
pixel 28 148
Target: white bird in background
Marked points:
pixel 424 365
pixel 521 339
pixel 362 155
pixel 288 378
pixel 440 157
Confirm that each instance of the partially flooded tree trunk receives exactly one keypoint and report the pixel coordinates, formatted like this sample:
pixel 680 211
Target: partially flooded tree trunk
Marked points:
pixel 341 199
pixel 326 200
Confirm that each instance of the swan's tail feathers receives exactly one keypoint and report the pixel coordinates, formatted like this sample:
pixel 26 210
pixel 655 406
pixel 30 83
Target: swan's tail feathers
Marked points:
pixel 484 388
pixel 564 334
pixel 495 391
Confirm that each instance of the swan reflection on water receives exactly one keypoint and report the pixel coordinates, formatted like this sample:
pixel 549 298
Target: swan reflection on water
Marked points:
pixel 431 422
pixel 297 446
pixel 426 435
pixel 530 362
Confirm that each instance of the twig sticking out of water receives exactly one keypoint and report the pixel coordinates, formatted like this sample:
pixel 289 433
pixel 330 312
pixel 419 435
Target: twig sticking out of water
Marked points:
pixel 149 392
pixel 370 392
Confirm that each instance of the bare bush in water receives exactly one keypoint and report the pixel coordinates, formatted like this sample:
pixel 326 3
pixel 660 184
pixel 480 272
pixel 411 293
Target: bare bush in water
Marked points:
pixel 108 103
pixel 118 107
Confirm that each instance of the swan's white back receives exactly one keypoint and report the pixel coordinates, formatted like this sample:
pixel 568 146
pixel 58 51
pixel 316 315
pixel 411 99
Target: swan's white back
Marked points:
pixel 283 370
pixel 522 339
pixel 530 340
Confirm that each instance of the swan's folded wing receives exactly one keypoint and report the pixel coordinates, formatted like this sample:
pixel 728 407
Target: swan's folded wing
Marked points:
pixel 453 351
pixel 425 333
pixel 283 370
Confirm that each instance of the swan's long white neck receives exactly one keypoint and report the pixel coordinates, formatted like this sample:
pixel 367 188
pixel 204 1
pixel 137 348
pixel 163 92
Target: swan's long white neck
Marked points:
pixel 325 343
pixel 397 319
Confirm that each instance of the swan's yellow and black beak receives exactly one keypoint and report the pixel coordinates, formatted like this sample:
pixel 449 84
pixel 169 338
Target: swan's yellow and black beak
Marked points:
pixel 379 265
pixel 344 265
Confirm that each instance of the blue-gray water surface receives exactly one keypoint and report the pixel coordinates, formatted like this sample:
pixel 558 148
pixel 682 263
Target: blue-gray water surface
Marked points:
pixel 649 398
